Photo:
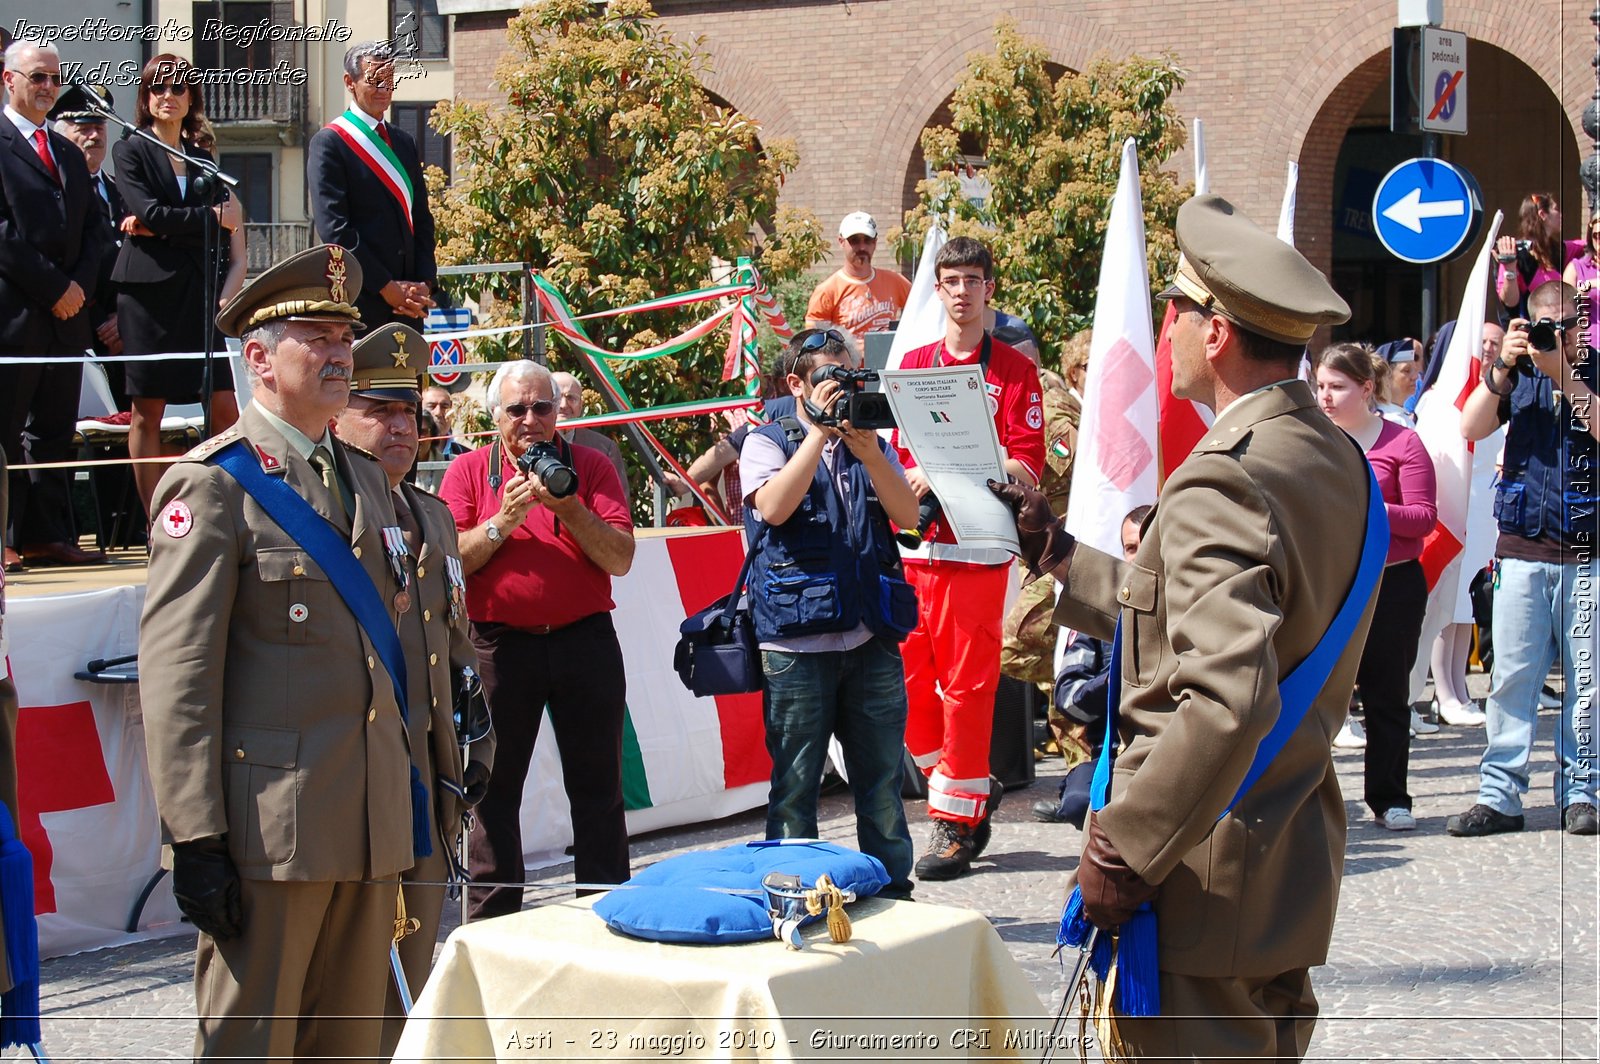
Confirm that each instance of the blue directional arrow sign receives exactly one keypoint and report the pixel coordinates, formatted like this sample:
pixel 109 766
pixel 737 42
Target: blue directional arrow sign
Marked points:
pixel 1426 210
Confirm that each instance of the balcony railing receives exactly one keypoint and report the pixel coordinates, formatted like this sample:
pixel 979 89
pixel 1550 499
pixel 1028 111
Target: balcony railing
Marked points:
pixel 267 243
pixel 270 104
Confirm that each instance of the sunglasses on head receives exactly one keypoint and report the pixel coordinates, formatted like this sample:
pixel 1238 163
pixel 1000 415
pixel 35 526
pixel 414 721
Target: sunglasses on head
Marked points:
pixel 542 408
pixel 163 89
pixel 815 342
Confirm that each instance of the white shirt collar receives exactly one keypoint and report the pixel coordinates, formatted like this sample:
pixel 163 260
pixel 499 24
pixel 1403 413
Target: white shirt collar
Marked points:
pixel 24 126
pixel 362 117
pixel 302 444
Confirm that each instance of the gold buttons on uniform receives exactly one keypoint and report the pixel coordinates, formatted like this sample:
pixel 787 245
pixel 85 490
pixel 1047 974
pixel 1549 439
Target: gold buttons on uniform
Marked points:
pixel 1125 593
pixel 372 714
pixel 433 659
pixel 435 700
pixel 370 662
pixel 422 570
pixel 239 753
pixel 427 615
pixel 299 570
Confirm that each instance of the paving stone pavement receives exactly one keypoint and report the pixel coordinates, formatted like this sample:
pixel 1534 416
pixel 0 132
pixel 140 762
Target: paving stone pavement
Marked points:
pixel 1445 949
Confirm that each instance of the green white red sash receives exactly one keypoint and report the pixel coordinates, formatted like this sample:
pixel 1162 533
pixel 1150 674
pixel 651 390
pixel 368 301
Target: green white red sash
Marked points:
pixel 379 157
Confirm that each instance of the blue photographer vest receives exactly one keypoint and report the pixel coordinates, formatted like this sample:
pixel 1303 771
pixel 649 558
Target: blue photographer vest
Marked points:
pixel 1547 486
pixel 833 564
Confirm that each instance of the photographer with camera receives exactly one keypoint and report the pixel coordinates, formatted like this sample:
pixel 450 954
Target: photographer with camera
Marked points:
pixel 953 656
pixel 829 601
pixel 1535 256
pixel 544 527
pixel 1539 387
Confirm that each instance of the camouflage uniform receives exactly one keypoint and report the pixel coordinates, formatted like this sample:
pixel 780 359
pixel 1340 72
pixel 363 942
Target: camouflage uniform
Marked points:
pixel 1028 650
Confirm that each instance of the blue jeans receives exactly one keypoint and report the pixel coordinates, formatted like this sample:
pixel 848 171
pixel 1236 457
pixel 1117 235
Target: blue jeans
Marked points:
pixel 860 696
pixel 1541 611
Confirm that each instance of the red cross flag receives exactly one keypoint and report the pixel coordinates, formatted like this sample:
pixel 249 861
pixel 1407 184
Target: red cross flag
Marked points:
pixel 1116 466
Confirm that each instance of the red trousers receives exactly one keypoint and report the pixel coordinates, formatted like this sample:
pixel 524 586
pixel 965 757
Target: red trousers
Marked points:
pixel 952 662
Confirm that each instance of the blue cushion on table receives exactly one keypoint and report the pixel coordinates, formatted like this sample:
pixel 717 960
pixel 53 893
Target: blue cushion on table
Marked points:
pixel 672 904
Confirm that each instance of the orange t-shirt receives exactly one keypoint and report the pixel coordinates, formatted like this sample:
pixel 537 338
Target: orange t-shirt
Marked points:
pixel 859 307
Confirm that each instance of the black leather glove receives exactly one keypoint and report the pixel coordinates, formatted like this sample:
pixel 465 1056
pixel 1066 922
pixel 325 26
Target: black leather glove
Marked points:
pixel 1041 534
pixel 206 886
pixel 474 783
pixel 1111 890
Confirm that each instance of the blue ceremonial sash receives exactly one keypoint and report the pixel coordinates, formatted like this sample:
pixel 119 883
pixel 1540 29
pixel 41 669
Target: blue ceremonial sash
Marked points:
pixel 1138 992
pixel 301 523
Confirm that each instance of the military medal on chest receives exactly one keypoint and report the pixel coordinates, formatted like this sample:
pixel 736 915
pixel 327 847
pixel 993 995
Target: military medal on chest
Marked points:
pixel 394 546
pixel 457 579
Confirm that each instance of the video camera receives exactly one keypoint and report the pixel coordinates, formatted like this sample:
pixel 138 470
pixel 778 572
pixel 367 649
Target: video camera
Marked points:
pixel 863 409
pixel 543 460
pixel 927 510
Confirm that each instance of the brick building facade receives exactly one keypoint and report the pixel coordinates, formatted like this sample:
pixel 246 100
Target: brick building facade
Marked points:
pixel 854 82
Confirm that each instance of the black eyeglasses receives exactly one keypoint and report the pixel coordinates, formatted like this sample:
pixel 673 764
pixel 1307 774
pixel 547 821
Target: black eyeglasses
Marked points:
pixel 174 89
pixel 38 77
pixel 542 408
pixel 816 342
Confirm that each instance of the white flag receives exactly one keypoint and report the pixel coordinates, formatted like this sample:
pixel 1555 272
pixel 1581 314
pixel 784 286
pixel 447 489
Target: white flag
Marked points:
pixel 1202 180
pixel 1439 425
pixel 1115 469
pixel 922 322
pixel 1286 211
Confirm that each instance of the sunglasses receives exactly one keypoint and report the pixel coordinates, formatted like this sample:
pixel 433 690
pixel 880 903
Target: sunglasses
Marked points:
pixel 165 89
pixel 815 342
pixel 41 78
pixel 542 408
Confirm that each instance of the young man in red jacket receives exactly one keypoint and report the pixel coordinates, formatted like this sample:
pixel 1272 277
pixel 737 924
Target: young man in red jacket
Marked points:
pixel 952 658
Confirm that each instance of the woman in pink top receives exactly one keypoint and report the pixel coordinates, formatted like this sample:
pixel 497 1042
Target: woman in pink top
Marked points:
pixel 1535 255
pixel 1583 274
pixel 1345 383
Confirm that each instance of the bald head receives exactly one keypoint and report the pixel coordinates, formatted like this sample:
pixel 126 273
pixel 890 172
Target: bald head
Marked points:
pixel 571 392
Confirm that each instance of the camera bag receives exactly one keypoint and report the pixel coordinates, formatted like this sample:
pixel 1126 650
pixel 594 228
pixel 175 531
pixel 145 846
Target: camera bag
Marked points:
pixel 717 652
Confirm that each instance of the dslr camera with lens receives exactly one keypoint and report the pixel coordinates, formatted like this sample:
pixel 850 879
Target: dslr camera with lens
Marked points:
pixel 863 409
pixel 1545 334
pixel 543 460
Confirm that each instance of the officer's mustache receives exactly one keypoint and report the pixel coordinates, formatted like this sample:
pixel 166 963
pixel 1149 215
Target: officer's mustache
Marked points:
pixel 329 372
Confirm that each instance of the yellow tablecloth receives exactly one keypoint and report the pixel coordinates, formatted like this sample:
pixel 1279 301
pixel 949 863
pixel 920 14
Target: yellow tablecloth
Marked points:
pixel 916 982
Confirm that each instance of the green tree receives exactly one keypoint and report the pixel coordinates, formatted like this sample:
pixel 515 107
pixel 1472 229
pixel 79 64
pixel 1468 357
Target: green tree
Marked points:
pixel 1054 152
pixel 610 169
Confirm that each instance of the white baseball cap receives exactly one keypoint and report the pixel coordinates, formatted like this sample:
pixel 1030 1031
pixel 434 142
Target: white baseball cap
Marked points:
pixel 858 223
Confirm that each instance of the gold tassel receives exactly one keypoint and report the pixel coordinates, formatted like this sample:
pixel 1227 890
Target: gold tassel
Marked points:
pixel 826 894
pixel 1112 1048
pixel 403 924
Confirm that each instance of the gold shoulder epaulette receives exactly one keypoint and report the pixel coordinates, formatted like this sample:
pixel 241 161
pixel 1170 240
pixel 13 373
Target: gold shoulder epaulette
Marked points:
pixel 207 448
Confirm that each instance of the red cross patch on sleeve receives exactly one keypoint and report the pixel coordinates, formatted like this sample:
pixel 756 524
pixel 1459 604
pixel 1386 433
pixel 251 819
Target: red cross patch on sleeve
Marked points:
pixel 177 519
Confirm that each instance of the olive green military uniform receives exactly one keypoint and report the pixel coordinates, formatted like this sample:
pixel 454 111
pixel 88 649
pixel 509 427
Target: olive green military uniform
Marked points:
pixel 1238 576
pixel 271 722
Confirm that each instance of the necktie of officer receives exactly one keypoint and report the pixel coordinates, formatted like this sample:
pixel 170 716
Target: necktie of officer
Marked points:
pixel 383 131
pixel 322 462
pixel 408 524
pixel 41 144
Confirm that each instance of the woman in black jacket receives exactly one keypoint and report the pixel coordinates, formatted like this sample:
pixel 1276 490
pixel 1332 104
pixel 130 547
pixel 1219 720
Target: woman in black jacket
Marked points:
pixel 160 272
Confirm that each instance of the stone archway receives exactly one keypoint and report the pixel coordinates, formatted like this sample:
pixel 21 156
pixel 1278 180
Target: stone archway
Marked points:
pixel 738 81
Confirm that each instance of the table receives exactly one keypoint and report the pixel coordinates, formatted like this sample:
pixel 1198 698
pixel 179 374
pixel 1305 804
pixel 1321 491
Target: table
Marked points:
pixel 915 982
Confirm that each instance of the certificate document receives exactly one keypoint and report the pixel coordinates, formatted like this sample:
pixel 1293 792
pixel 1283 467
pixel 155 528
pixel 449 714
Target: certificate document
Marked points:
pixel 945 422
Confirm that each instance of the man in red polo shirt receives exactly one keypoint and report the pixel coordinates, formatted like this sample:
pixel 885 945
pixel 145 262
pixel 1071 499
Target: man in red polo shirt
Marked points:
pixel 539 568
pixel 952 658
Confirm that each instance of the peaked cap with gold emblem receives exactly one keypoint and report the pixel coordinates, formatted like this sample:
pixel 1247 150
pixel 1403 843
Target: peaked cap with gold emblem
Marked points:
pixel 389 364
pixel 318 284
pixel 1232 267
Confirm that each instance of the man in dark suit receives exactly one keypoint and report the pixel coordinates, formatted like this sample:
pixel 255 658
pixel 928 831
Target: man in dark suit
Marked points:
pixel 52 245
pixel 73 119
pixel 368 195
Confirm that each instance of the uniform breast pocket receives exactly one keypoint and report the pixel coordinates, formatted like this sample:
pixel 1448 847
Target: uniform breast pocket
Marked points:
pixel 1509 499
pixel 298 601
pixel 261 781
pixel 1142 634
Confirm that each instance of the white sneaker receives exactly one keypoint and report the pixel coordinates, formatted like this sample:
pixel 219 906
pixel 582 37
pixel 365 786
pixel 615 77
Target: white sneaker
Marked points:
pixel 1398 819
pixel 1352 736
pixel 1420 726
pixel 1462 716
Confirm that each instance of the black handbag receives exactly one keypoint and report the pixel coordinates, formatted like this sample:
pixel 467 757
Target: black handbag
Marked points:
pixel 717 652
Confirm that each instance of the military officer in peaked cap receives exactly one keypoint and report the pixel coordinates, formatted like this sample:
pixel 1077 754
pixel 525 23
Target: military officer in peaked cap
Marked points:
pixel 276 740
pixel 1239 575
pixel 382 418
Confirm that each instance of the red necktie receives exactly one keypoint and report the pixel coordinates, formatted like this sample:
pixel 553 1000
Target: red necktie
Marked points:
pixel 42 146
pixel 383 131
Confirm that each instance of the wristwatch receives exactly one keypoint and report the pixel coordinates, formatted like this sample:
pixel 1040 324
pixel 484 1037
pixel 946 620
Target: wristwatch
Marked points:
pixel 493 533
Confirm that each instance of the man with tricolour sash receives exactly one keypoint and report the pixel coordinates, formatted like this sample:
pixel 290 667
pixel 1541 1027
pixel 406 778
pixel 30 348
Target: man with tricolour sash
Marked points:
pixel 368 194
